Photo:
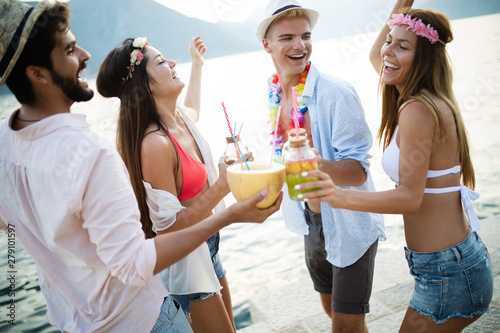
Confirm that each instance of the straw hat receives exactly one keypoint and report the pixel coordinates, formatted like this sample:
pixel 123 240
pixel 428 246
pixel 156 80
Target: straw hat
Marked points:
pixel 17 20
pixel 276 7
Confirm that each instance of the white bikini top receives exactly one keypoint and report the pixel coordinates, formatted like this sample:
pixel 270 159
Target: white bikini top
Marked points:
pixel 390 164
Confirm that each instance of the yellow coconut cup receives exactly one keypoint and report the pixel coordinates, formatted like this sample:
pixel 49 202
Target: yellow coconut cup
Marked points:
pixel 245 183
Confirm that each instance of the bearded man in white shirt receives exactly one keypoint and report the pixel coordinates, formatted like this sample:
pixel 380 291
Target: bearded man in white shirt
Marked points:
pixel 67 195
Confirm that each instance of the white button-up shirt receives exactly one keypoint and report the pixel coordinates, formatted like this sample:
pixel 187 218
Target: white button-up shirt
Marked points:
pixel 67 195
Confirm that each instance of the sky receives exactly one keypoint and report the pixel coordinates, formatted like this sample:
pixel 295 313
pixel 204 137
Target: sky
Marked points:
pixel 216 10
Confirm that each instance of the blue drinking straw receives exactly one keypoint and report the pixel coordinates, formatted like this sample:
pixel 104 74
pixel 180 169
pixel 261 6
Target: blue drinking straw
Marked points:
pixel 241 153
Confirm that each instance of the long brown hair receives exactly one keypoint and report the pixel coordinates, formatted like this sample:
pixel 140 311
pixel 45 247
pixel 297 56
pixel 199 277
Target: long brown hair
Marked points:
pixel 431 70
pixel 137 112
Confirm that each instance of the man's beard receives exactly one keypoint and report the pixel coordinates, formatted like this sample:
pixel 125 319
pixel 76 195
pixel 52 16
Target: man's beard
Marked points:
pixel 71 86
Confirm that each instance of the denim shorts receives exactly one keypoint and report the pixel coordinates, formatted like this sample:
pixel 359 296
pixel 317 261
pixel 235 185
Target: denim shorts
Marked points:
pixel 213 246
pixel 171 318
pixel 185 300
pixel 454 282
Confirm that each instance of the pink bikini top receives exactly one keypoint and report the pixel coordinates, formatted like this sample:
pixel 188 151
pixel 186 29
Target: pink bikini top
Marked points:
pixel 194 173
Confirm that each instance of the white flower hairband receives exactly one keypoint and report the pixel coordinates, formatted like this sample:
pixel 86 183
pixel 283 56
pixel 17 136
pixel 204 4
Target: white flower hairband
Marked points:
pixel 136 55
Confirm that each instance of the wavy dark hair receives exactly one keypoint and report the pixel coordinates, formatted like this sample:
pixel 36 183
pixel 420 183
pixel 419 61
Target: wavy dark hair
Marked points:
pixel 431 70
pixel 137 112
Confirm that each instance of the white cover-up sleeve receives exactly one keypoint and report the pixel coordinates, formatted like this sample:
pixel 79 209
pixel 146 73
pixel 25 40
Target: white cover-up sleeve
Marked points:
pixel 193 273
pixel 163 207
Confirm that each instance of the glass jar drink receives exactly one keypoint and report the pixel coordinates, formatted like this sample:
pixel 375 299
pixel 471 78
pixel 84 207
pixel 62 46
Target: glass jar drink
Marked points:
pixel 298 159
pixel 292 134
pixel 232 154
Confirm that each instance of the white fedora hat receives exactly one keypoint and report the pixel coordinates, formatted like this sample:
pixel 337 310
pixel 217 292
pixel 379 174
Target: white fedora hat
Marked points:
pixel 17 20
pixel 275 8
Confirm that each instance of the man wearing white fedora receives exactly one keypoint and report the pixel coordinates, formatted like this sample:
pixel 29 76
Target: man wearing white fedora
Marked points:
pixel 66 194
pixel 340 245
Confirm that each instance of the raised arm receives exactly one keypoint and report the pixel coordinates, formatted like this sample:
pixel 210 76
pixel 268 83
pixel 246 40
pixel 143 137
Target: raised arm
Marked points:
pixel 375 55
pixel 193 95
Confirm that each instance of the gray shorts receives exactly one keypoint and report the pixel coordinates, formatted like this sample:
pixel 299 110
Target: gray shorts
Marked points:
pixel 350 286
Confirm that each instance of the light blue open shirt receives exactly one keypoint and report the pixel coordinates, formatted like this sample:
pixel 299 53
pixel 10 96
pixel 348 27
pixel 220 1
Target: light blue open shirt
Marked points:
pixel 339 132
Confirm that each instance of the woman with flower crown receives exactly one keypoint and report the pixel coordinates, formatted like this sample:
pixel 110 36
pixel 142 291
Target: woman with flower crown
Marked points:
pixel 171 169
pixel 427 156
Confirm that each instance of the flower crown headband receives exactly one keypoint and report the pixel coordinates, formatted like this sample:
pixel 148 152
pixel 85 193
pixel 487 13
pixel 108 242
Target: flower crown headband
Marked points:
pixel 415 25
pixel 136 55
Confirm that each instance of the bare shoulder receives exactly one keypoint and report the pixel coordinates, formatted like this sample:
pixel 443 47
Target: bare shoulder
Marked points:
pixel 156 145
pixel 416 119
pixel 416 111
pixel 159 161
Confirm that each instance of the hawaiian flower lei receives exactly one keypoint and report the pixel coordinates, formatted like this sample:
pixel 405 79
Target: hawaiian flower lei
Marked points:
pixel 136 55
pixel 274 99
pixel 417 26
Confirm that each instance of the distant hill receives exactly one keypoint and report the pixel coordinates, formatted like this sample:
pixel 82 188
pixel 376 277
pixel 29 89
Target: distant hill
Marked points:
pixel 100 25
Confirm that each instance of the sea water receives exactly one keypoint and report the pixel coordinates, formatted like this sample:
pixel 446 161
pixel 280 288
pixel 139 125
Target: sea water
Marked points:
pixel 259 258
